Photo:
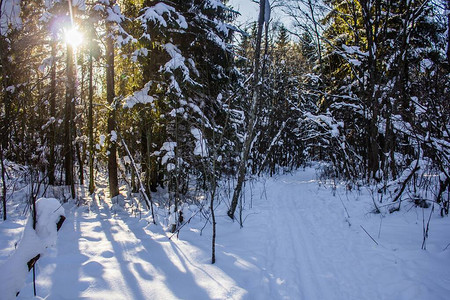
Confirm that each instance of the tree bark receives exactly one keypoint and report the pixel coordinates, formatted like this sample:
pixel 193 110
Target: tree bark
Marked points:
pixel 112 146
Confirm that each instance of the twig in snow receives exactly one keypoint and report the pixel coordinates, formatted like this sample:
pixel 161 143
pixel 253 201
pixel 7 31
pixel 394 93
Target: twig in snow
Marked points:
pixel 346 211
pixel 182 225
pixel 369 235
pixel 379 229
pixel 425 229
pixel 446 247
pixel 345 208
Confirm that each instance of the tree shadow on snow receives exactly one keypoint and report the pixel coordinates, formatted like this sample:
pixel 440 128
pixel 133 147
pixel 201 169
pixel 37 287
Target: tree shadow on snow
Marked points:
pixel 180 282
pixel 65 280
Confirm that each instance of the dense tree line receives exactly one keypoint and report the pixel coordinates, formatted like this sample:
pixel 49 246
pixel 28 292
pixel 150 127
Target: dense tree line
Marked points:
pixel 383 104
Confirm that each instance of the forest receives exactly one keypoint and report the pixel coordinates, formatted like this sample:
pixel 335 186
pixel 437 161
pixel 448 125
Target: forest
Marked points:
pixel 165 104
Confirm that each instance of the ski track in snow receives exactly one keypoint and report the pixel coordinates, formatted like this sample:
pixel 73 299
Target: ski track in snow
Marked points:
pixel 296 257
pixel 296 244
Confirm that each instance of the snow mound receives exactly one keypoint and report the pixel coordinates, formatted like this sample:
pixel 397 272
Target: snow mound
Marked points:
pixel 13 272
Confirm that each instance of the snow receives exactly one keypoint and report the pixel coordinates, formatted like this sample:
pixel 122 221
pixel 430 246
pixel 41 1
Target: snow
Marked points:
pixel 139 97
pixel 176 62
pixel 200 143
pixel 113 136
pixel 174 86
pixel 222 27
pixel 170 167
pixel 327 122
pixel 142 52
pixel 48 213
pixel 217 40
pixel 355 62
pixel 354 50
pixel 169 149
pixel 11 89
pixel 156 13
pixel 214 4
pixel 13 272
pixel 102 140
pixel 114 14
pixel 425 64
pixel 302 239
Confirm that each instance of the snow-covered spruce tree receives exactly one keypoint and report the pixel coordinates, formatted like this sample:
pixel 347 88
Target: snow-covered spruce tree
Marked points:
pixel 185 59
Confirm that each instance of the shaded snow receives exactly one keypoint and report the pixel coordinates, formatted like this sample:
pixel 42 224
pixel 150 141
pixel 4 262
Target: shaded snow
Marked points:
pixel 13 271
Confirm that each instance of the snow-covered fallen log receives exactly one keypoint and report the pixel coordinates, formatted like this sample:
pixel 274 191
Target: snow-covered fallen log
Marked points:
pixel 49 218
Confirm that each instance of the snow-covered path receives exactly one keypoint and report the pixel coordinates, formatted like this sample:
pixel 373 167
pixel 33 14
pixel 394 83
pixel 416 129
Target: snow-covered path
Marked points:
pixel 297 243
pixel 295 251
pixel 310 254
pixel 316 251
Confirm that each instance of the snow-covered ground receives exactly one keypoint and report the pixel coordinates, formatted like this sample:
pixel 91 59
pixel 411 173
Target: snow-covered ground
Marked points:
pixel 299 241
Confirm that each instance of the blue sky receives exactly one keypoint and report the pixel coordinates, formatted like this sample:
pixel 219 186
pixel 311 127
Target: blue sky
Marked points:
pixel 249 12
pixel 247 8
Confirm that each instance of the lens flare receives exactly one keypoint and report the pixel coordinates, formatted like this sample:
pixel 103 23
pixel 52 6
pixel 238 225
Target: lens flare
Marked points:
pixel 73 37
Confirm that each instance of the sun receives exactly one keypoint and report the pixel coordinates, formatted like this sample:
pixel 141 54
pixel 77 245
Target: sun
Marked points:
pixel 73 37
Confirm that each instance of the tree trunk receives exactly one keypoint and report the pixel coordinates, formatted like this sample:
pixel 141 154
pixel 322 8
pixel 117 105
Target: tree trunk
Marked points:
pixel 68 122
pixel 3 183
pixel 134 186
pixel 52 133
pixel 255 100
pixel 213 216
pixel 80 162
pixel 112 146
pixel 4 121
pixel 371 101
pixel 91 129
pixel 448 35
pixel 6 75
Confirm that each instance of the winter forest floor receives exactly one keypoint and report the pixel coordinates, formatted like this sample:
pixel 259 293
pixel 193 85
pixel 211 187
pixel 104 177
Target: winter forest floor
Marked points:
pixel 300 240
